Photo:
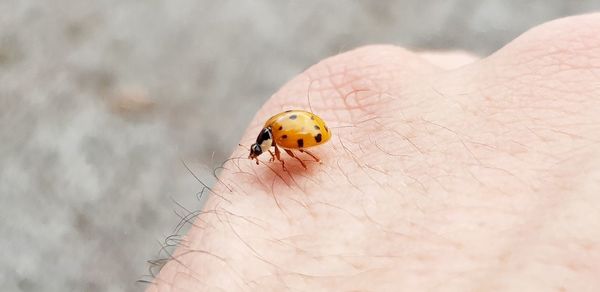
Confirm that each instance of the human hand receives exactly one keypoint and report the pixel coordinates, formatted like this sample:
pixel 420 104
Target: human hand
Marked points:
pixel 482 177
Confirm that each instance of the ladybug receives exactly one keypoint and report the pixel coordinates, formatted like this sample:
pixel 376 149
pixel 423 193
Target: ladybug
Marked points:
pixel 290 130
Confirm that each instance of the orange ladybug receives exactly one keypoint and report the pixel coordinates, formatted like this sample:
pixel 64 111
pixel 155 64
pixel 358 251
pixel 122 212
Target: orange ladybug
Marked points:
pixel 290 130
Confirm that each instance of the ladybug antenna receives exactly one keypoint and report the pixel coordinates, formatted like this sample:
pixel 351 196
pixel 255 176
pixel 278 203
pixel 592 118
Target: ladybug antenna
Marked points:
pixel 244 146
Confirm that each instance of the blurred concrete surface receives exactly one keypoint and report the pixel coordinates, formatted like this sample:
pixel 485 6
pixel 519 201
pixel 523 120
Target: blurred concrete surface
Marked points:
pixel 99 101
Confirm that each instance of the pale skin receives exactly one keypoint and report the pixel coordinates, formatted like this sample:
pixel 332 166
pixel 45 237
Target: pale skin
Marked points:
pixel 444 172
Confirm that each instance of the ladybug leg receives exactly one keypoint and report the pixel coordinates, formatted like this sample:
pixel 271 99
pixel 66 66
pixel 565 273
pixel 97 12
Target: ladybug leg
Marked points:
pixel 311 155
pixel 272 156
pixel 278 156
pixel 277 153
pixel 292 155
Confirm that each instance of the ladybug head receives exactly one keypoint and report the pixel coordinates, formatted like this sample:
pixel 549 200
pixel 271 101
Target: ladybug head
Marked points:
pixel 255 151
pixel 264 141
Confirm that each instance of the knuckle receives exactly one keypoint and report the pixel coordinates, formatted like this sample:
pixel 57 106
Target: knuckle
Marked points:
pixel 557 61
pixel 567 43
pixel 355 82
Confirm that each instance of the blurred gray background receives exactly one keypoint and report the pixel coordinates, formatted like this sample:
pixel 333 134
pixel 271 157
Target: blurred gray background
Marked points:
pixel 100 100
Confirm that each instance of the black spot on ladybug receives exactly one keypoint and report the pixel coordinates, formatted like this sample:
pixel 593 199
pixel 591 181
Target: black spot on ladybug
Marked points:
pixel 318 138
pixel 312 118
pixel 317 127
pixel 280 128
pixel 283 136
pixel 293 117
pixel 300 143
